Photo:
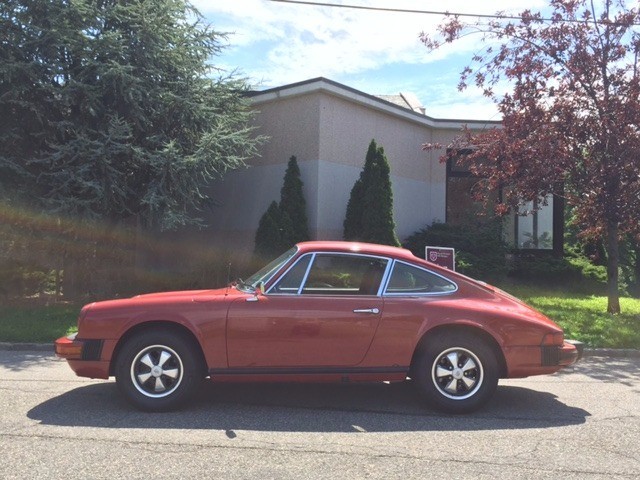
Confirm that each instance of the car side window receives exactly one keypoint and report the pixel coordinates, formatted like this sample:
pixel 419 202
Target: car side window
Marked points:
pixel 291 281
pixel 410 280
pixel 332 274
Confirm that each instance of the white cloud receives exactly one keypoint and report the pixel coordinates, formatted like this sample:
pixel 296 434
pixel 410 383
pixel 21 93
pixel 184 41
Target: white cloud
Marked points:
pixel 275 43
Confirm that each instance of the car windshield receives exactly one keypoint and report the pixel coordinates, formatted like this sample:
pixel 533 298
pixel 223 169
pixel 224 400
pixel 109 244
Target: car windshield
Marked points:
pixel 265 273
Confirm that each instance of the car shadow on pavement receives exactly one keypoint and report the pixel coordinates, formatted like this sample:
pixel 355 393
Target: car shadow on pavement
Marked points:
pixel 307 408
pixel 606 369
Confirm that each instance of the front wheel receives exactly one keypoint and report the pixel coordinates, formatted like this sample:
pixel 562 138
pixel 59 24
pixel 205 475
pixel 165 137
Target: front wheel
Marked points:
pixel 158 370
pixel 456 373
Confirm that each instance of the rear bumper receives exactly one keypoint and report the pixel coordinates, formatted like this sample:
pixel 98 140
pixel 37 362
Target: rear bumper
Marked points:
pixel 572 350
pixel 525 361
pixel 569 353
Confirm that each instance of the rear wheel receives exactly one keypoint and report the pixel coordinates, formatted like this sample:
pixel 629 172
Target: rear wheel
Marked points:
pixel 456 372
pixel 158 370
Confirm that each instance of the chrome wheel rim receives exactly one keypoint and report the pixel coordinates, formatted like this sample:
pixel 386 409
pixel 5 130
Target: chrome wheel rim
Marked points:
pixel 157 371
pixel 457 373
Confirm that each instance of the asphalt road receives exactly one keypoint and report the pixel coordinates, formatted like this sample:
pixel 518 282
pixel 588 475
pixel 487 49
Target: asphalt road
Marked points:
pixel 583 423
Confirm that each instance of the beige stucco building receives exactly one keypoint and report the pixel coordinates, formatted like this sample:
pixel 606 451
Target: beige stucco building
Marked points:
pixel 328 127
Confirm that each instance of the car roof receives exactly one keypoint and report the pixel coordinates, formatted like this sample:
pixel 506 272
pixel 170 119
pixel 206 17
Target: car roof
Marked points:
pixel 356 247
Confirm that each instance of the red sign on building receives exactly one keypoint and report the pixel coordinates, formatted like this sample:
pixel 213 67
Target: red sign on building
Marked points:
pixel 443 256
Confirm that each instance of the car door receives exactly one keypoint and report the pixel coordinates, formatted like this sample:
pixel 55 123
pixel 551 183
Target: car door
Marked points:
pixel 324 311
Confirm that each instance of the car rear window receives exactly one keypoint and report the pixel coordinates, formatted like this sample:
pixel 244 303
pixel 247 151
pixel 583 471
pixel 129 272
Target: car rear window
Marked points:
pixel 411 280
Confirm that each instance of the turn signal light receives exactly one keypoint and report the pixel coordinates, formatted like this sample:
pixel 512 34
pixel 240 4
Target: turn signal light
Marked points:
pixel 68 348
pixel 553 339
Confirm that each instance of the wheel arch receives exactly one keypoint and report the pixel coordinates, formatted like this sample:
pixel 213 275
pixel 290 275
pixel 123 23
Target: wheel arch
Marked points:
pixel 485 336
pixel 174 327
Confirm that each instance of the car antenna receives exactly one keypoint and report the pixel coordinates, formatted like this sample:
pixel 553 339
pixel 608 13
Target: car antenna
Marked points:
pixel 228 277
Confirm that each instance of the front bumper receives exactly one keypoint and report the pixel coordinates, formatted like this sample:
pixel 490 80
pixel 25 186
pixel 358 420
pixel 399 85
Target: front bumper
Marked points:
pixel 83 356
pixel 569 353
pixel 73 348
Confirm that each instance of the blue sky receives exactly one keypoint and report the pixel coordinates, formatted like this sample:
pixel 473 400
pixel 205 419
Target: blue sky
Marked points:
pixel 273 44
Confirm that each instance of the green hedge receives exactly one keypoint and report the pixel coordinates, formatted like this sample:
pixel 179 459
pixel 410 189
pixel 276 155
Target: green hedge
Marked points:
pixel 480 250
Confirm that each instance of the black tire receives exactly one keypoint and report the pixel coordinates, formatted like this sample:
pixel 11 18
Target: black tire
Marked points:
pixel 460 388
pixel 158 370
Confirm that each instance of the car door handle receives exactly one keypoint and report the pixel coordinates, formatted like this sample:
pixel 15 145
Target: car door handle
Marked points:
pixel 367 310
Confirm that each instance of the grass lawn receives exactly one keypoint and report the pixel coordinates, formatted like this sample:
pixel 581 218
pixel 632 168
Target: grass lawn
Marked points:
pixel 582 316
pixel 37 323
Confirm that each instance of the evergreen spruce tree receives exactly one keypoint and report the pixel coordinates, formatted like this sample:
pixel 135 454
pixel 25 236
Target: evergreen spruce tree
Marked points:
pixel 353 218
pixel 292 202
pixel 355 207
pixel 111 109
pixel 378 225
pixel 113 113
pixel 369 216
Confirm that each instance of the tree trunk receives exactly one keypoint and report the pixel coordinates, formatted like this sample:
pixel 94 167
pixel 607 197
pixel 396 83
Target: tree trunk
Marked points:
pixel 613 256
pixel 636 269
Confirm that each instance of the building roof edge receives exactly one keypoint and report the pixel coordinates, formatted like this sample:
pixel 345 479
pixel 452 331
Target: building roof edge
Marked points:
pixel 349 93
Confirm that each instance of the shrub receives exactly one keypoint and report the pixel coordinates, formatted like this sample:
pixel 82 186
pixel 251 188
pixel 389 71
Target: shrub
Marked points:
pixel 543 268
pixel 274 232
pixel 573 272
pixel 285 224
pixel 480 250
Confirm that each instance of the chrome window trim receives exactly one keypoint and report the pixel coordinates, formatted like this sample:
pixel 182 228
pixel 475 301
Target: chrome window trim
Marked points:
pixel 266 280
pixel 383 281
pixel 306 274
pixel 417 294
pixel 280 277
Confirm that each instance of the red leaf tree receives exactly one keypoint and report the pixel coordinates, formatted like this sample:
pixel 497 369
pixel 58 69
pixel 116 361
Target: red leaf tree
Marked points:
pixel 571 119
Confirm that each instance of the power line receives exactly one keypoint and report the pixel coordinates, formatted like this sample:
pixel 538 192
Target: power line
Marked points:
pixel 396 10
pixel 426 12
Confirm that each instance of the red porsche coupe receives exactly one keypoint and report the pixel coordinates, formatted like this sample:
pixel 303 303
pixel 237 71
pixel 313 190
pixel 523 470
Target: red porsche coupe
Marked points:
pixel 321 312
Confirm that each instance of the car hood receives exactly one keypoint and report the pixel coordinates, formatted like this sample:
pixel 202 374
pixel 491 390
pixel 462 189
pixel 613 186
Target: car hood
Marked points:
pixel 162 298
pixel 186 293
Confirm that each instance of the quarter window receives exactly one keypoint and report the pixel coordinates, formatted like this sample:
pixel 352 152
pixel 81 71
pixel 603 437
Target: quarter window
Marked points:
pixel 409 280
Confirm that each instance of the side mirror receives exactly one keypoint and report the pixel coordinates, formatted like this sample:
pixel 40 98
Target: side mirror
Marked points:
pixel 259 290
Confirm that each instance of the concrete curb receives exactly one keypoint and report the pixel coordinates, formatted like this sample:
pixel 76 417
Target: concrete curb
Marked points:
pixel 588 352
pixel 33 347
pixel 612 352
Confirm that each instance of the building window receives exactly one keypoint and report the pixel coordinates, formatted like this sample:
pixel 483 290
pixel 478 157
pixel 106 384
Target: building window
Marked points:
pixel 540 230
pixel 462 208
pixel 535 230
